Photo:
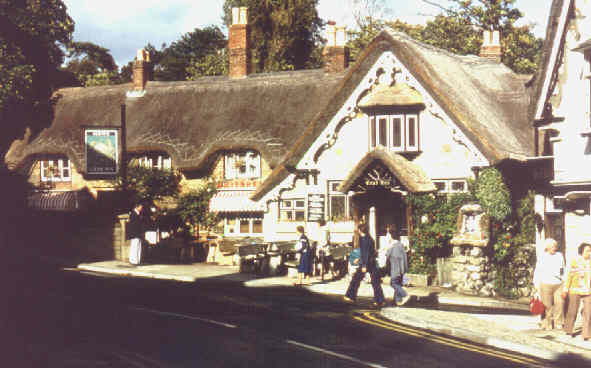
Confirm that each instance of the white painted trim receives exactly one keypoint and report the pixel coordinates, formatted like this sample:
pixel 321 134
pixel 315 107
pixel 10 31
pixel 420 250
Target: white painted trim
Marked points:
pixel 553 56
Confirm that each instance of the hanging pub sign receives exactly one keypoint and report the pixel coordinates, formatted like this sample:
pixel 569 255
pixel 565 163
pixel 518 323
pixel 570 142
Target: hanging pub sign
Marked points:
pixel 102 150
pixel 315 207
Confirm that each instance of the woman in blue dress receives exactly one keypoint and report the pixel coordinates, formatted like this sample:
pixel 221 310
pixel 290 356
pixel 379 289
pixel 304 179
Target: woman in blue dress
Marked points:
pixel 303 248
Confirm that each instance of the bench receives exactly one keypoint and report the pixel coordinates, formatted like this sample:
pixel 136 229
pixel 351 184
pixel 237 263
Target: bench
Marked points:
pixel 252 257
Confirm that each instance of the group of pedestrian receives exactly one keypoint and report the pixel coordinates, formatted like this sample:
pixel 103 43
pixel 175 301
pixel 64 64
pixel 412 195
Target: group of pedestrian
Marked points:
pixel 363 259
pixel 314 253
pixel 560 290
pixel 364 256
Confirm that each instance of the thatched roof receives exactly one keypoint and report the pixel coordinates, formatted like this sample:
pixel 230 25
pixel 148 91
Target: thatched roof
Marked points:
pixel 190 121
pixel 555 35
pixel 400 94
pixel 485 99
pixel 409 174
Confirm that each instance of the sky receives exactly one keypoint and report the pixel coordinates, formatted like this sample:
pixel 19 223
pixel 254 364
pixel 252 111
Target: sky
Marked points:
pixel 124 26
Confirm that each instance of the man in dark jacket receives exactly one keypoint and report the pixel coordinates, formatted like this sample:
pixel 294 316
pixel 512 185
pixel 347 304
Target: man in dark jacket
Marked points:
pixel 135 231
pixel 367 263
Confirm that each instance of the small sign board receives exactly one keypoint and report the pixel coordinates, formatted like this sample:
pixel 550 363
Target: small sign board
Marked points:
pixel 102 150
pixel 315 207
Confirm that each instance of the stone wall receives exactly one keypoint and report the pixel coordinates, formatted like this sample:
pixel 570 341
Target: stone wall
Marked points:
pixel 470 271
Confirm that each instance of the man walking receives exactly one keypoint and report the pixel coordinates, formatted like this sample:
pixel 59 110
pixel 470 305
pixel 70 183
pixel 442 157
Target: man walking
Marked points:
pixel 367 263
pixel 396 255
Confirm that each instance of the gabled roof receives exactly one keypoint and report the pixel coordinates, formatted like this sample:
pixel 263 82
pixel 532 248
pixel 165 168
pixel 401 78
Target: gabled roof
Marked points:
pixel 189 120
pixel 409 174
pixel 485 99
pixel 560 12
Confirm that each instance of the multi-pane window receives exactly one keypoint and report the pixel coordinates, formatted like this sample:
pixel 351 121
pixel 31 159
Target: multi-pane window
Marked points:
pixel 292 209
pixel 451 185
pixel 398 132
pixel 339 204
pixel 242 165
pixel 56 170
pixel 153 161
pixel 244 226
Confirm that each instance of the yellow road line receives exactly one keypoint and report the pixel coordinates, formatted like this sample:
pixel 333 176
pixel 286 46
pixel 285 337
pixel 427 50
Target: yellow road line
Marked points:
pixel 444 340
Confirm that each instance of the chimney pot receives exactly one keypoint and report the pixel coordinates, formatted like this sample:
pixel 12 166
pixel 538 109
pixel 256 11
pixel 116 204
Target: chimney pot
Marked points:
pixel 491 46
pixel 239 53
pixel 336 55
pixel 140 70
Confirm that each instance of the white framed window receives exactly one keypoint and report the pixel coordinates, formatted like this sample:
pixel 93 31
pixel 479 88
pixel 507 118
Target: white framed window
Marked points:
pixel 451 185
pixel 56 170
pixel 398 132
pixel 412 133
pixel 339 204
pixel 243 226
pixel 242 165
pixel 153 161
pixel 292 209
pixel 458 186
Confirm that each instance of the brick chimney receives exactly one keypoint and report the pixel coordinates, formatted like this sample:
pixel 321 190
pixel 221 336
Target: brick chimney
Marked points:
pixel 491 46
pixel 140 70
pixel 336 55
pixel 238 44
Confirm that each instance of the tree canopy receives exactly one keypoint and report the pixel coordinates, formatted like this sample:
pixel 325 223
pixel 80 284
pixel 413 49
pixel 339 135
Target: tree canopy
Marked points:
pixel 465 19
pixel 90 65
pixel 33 34
pixel 284 34
pixel 172 62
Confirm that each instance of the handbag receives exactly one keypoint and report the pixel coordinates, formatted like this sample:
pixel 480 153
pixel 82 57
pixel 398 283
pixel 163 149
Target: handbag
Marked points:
pixel 536 306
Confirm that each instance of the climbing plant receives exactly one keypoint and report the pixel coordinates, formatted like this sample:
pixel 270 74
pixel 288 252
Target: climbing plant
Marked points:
pixel 434 218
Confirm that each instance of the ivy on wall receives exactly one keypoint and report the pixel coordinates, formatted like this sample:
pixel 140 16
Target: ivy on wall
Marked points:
pixel 511 232
pixel 434 219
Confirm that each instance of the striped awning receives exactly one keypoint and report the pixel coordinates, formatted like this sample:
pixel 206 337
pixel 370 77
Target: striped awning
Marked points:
pixel 234 201
pixel 55 201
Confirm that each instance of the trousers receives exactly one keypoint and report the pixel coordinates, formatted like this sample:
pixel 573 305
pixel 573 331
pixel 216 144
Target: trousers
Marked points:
pixel 135 251
pixel 376 283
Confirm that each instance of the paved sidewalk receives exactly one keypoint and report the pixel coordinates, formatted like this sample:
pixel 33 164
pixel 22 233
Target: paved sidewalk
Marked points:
pixel 495 322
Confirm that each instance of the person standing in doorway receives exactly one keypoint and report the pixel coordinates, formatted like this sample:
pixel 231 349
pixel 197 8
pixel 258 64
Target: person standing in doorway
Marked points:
pixel 302 246
pixel 367 263
pixel 135 232
pixel 396 256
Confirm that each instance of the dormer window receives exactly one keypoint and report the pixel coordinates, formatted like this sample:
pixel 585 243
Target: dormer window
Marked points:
pixel 242 165
pixel 56 170
pixel 398 132
pixel 153 160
